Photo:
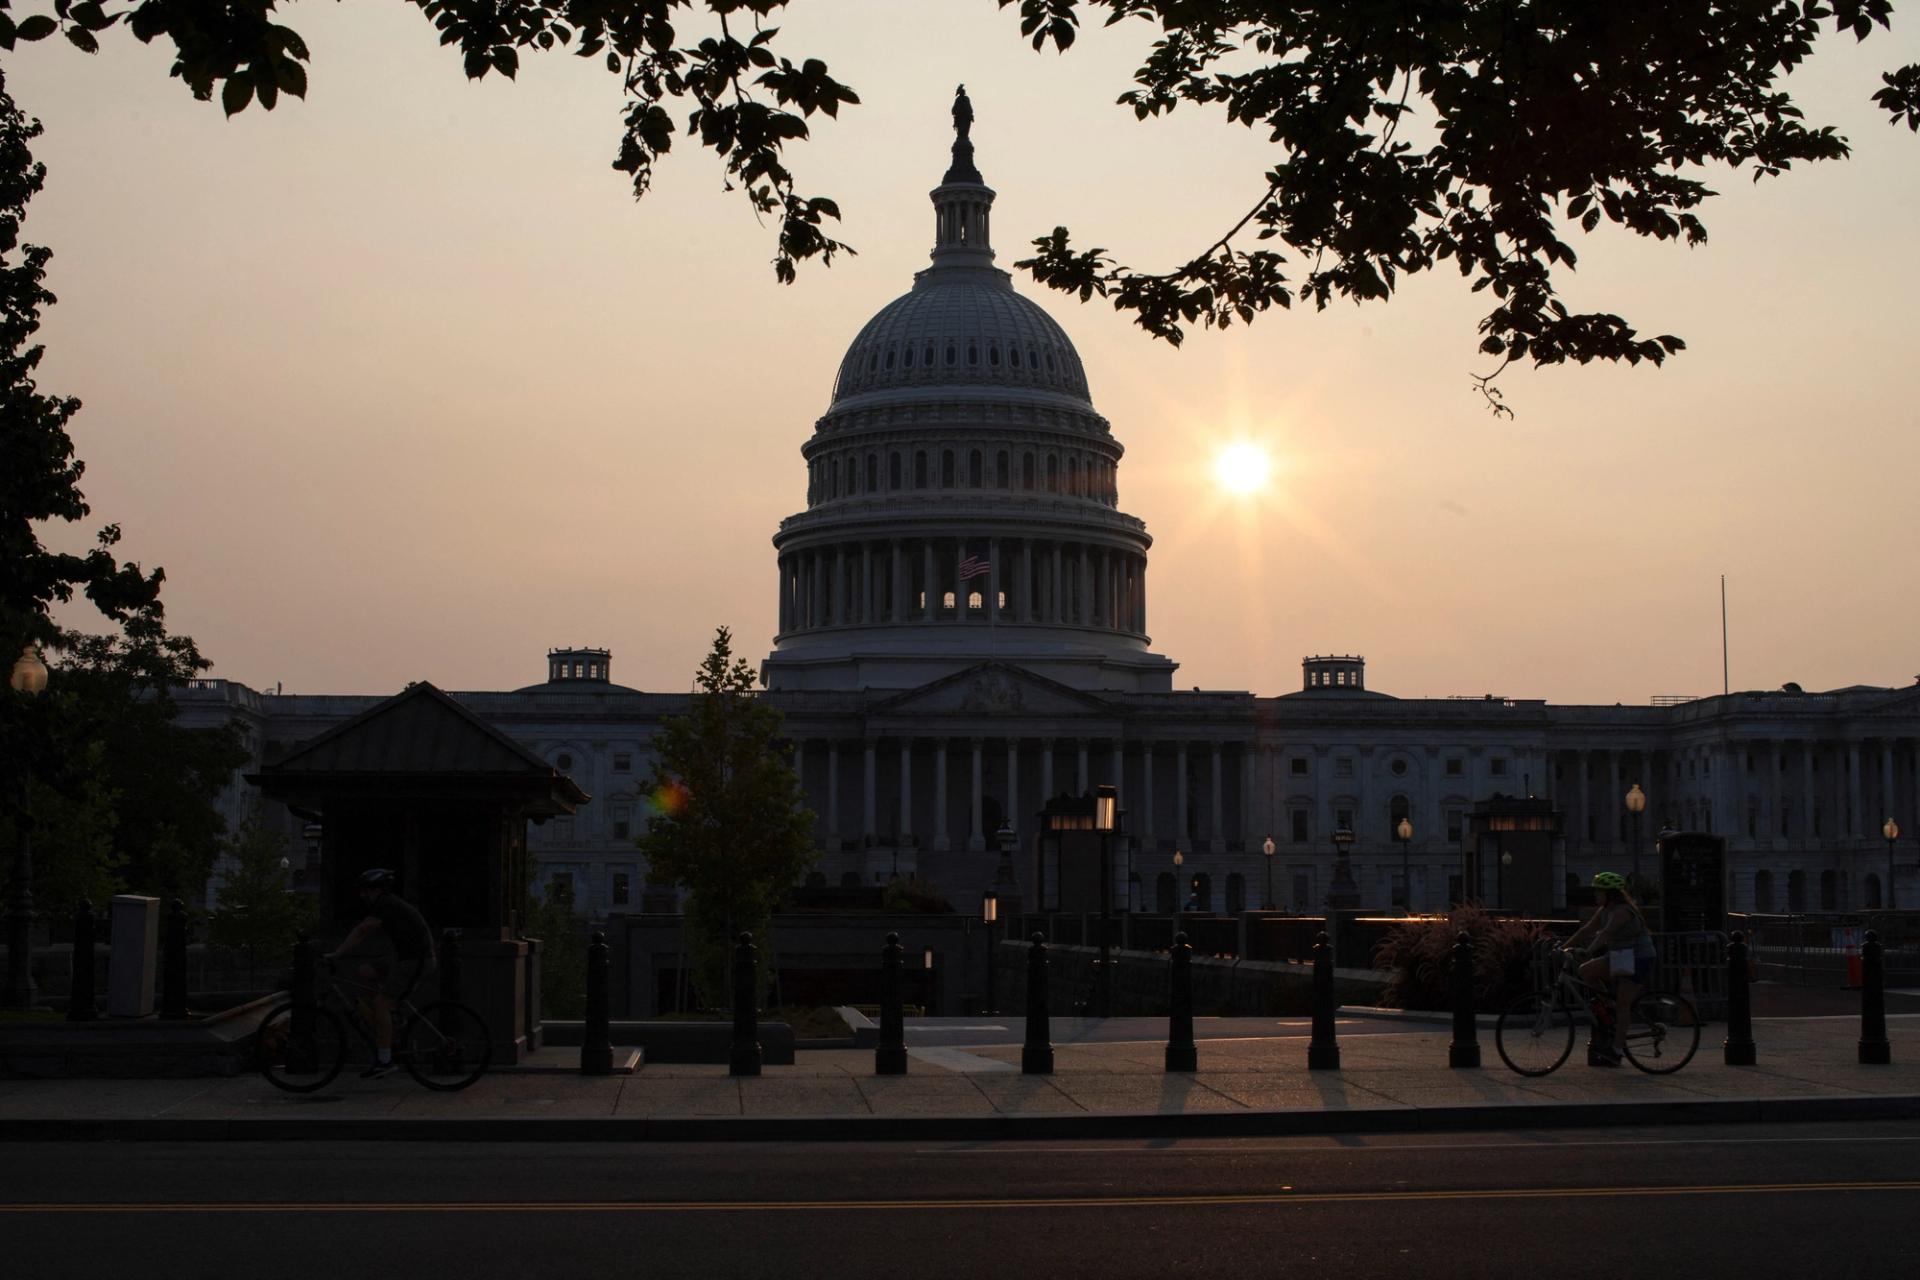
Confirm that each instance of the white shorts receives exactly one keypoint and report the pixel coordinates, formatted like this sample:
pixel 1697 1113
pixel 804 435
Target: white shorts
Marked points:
pixel 1620 962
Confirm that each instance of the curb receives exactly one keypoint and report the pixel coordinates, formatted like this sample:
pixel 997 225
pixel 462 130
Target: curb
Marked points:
pixel 871 1128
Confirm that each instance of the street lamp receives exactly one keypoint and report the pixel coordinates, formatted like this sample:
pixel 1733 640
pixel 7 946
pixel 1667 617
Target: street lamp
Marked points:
pixel 1343 893
pixel 1106 818
pixel 1891 830
pixel 1266 847
pixel 1636 805
pixel 990 913
pixel 29 680
pixel 1404 834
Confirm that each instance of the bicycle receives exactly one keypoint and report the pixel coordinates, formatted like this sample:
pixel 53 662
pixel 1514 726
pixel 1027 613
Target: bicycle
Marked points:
pixel 1535 1032
pixel 301 1047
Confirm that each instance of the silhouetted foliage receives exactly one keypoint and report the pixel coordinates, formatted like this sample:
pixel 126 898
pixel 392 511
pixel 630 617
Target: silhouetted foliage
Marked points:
pixel 729 822
pixel 563 952
pixel 1536 116
pixel 256 910
pixel 1418 956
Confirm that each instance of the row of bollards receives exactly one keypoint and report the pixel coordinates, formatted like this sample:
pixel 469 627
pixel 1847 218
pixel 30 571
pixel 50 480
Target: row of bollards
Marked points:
pixel 1182 1055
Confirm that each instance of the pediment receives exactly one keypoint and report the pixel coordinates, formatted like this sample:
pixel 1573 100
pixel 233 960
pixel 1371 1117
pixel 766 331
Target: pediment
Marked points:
pixel 994 689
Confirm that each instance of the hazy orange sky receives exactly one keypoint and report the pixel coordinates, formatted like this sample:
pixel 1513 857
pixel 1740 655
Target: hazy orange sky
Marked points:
pixel 400 383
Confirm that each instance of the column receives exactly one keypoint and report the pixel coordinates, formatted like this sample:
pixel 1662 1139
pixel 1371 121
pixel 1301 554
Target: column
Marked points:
pixel 1855 822
pixel 930 595
pixel 1057 611
pixel 899 582
pixel 1085 613
pixel 1249 788
pixel 906 787
pixel 1023 610
pixel 1102 590
pixel 974 840
pixel 1615 800
pixel 1142 606
pixel 1118 771
pixel 818 572
pixel 1013 782
pixel 993 578
pixel 870 801
pixel 782 624
pixel 833 792
pixel 1149 834
pixel 866 583
pixel 959 588
pixel 940 841
pixel 1180 795
pixel 1216 828
pixel 1046 771
pixel 838 604
pixel 1080 786
pixel 1807 803
pixel 1362 810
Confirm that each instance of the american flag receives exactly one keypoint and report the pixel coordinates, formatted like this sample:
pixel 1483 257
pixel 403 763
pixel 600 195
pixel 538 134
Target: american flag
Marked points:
pixel 973 567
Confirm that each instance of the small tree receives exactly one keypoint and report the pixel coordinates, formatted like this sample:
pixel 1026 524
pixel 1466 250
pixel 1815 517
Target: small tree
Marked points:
pixel 730 824
pixel 256 911
pixel 563 953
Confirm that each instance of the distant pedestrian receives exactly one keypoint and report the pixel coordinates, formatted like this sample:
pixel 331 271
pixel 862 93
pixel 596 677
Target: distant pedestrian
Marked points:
pixel 1193 901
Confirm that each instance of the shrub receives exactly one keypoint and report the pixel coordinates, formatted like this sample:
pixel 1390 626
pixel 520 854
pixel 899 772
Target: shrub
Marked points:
pixel 1419 958
pixel 911 895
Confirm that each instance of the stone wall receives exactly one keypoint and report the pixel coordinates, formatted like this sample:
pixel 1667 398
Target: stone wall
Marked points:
pixel 1222 986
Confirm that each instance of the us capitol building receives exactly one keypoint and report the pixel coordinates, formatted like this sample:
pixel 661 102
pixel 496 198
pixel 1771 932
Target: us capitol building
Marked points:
pixel 963 633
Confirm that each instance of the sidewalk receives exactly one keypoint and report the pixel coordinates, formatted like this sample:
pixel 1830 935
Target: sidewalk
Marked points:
pixel 1397 1080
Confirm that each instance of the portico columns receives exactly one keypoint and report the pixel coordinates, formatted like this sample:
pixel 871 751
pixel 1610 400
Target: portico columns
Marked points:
pixel 906 789
pixel 1216 833
pixel 1180 794
pixel 930 596
pixel 1808 803
pixel 1149 835
pixel 899 611
pixel 974 840
pixel 940 841
pixel 1080 785
pixel 1616 797
pixel 869 801
pixel 833 793
pixel 1046 771
pixel 1854 821
pixel 1023 607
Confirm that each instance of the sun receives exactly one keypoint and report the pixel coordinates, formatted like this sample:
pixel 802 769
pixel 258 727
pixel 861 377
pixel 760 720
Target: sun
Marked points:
pixel 1242 468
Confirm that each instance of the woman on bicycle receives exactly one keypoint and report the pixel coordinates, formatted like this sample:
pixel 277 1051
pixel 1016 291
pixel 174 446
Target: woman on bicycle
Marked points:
pixel 1622 954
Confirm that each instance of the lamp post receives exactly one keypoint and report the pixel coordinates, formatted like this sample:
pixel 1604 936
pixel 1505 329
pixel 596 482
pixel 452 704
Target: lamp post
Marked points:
pixel 1106 817
pixel 1891 830
pixel 1403 832
pixel 1636 805
pixel 1266 847
pixel 1179 903
pixel 1343 893
pixel 28 679
pixel 990 914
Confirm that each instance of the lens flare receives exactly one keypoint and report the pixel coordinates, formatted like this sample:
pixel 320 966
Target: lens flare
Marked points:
pixel 669 800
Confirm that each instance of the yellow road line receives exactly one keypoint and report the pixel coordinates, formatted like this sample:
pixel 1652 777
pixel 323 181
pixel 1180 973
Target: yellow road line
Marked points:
pixel 1051 1202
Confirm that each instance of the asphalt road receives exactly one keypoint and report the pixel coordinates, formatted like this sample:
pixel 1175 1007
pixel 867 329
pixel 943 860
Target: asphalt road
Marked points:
pixel 1800 1201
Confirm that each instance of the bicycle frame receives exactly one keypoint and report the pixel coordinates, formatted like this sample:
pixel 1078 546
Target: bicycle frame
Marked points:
pixel 404 1012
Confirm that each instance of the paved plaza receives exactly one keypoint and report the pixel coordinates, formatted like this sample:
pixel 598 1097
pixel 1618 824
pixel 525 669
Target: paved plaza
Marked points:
pixel 1392 1076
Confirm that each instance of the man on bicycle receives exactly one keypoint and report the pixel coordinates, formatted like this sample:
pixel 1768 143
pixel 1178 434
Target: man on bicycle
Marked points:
pixel 1622 955
pixel 389 981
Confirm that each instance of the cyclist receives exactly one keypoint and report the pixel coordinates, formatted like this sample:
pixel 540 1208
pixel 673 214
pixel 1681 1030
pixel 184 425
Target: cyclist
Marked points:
pixel 1622 954
pixel 405 930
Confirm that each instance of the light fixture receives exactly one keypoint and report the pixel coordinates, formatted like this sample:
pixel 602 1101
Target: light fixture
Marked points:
pixel 1106 806
pixel 990 906
pixel 1178 858
pixel 1636 799
pixel 29 673
pixel 1405 829
pixel 1267 846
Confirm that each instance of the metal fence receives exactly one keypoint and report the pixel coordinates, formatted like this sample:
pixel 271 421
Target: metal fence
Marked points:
pixel 1690 964
pixel 1813 948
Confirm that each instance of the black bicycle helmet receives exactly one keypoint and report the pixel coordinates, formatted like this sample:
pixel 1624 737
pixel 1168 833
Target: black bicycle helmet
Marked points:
pixel 376 878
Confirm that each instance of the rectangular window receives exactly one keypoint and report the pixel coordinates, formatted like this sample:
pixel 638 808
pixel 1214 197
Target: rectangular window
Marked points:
pixel 1343 818
pixel 1456 767
pixel 620 888
pixel 1498 766
pixel 1299 826
pixel 1343 766
pixel 620 829
pixel 561 885
pixel 1456 824
pixel 623 762
pixel 1297 766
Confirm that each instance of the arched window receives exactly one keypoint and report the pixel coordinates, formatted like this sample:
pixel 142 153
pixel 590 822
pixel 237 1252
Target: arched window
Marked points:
pixel 1200 893
pixel 1397 808
pixel 1871 890
pixel 1013 356
pixel 1796 891
pixel 929 360
pixel 1236 893
pixel 1829 891
pixel 889 358
pixel 1163 894
pixel 906 357
pixel 973 354
pixel 993 354
pixel 975 600
pixel 953 355
pixel 1763 891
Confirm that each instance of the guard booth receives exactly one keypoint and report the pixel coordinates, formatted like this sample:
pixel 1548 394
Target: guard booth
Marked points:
pixel 1515 857
pixel 1693 881
pixel 421 785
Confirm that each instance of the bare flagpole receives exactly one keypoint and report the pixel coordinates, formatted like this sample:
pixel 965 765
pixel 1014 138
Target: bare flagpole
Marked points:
pixel 1726 685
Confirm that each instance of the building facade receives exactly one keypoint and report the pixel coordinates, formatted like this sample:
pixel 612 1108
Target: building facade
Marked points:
pixel 963 634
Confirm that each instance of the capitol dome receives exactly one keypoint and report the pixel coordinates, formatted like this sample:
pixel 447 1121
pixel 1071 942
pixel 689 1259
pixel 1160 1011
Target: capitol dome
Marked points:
pixel 962 492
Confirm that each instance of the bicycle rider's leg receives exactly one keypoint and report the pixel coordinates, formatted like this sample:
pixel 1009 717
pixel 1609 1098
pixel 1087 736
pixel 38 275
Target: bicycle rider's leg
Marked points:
pixel 1625 989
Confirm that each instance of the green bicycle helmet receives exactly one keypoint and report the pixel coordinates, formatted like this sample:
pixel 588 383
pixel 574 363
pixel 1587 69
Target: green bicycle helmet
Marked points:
pixel 1609 880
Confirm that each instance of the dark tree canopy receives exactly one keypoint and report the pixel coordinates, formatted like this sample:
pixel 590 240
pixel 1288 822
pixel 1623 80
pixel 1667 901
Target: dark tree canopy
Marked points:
pixel 1534 117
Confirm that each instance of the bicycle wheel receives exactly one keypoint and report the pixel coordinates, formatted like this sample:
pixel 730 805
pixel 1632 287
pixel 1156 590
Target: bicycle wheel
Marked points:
pixel 1663 1034
pixel 301 1059
pixel 1534 1034
pixel 446 1046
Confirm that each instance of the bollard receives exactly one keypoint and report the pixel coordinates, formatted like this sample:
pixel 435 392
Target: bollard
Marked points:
pixel 1181 1053
pixel 890 1054
pixel 743 1059
pixel 596 1040
pixel 1323 1052
pixel 1036 1056
pixel 173 964
pixel 81 1006
pixel 450 964
pixel 1874 1049
pixel 300 1024
pixel 1740 1047
pixel 1465 1049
